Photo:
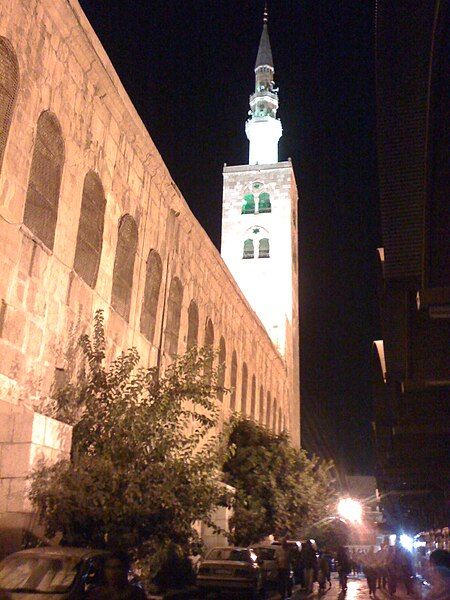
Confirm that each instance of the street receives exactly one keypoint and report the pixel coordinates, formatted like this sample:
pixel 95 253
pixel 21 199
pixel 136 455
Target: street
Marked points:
pixel 357 590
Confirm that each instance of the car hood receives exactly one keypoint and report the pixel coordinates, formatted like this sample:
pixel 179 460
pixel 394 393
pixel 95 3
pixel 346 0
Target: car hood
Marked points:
pixel 225 563
pixel 32 596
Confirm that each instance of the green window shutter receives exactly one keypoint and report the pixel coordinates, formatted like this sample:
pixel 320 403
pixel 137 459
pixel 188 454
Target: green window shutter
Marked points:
pixel 249 250
pixel 248 207
pixel 264 248
pixel 264 205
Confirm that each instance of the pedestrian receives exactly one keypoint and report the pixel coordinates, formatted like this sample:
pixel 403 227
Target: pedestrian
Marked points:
pixel 439 575
pixel 406 570
pixel 381 562
pixel 115 584
pixel 392 569
pixel 309 560
pixel 344 566
pixel 370 572
pixel 324 572
pixel 283 560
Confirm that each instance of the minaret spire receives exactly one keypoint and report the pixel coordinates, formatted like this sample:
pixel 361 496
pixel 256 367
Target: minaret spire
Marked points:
pixel 263 129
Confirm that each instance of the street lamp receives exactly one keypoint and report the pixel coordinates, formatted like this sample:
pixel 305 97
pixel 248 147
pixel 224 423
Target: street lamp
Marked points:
pixel 350 510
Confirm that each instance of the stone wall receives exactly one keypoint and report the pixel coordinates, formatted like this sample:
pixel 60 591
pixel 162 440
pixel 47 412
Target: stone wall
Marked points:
pixel 44 304
pixel 26 437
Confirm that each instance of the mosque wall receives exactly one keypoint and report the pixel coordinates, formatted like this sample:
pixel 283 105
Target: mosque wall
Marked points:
pixel 90 218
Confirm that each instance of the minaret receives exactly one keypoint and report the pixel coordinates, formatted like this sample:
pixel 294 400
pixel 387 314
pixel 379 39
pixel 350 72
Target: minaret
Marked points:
pixel 263 129
pixel 259 227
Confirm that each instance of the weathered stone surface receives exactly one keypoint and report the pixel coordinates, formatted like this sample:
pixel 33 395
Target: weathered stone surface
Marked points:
pixel 64 69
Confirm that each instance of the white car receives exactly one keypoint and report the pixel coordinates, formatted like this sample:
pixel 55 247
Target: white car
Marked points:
pixel 232 569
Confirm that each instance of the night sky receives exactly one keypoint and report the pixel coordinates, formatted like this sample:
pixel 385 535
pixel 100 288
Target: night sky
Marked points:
pixel 188 68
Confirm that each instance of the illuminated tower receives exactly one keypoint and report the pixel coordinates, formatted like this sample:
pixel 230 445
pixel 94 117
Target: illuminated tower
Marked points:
pixel 259 224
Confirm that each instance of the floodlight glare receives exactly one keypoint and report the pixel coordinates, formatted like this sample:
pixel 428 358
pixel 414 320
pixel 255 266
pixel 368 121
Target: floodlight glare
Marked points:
pixel 350 510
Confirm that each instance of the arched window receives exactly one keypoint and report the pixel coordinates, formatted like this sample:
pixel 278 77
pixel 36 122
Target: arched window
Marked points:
pixel 253 398
pixel 264 205
pixel 9 85
pixel 269 409
pixel 153 277
pixel 209 343
pixel 233 381
pixel 221 369
pixel 249 250
pixel 261 405
pixel 244 388
pixel 248 206
pixel 192 334
pixel 41 204
pixel 172 331
pixel 122 285
pixel 90 229
pixel 275 415
pixel 264 250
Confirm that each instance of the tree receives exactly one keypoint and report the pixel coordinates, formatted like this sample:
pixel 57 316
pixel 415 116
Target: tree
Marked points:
pixel 144 458
pixel 279 490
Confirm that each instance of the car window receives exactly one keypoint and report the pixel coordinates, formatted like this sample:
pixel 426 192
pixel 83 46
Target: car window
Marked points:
pixel 45 574
pixel 229 554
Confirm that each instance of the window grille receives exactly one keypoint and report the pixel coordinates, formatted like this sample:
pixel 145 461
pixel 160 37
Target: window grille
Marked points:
pixel 269 409
pixel 124 265
pixel 264 205
pixel 9 86
pixel 244 389
pixel 233 381
pixel 221 368
pixel 249 249
pixel 172 330
pixel 150 300
pixel 209 343
pixel 192 334
pixel 41 204
pixel 264 249
pixel 90 230
pixel 253 398
pixel 261 405
pixel 248 207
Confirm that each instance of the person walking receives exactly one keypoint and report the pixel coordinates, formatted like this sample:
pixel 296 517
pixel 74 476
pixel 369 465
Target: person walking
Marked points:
pixel 309 561
pixel 324 572
pixel 283 560
pixel 344 566
pixel 370 571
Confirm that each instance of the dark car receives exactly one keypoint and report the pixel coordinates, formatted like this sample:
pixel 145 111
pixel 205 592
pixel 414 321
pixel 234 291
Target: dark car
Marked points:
pixel 232 569
pixel 53 573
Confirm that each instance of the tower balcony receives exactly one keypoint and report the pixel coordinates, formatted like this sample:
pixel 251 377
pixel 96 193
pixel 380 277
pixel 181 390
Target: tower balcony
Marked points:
pixel 264 95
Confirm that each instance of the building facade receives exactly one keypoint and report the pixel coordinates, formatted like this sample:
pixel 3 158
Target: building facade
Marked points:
pixel 90 219
pixel 412 361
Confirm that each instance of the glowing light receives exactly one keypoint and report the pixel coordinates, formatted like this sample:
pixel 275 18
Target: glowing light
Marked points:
pixel 350 510
pixel 407 542
pixel 392 539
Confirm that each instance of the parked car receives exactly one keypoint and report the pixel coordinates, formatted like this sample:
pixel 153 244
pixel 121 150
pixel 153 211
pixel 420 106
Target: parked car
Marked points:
pixel 53 573
pixel 232 569
pixel 267 555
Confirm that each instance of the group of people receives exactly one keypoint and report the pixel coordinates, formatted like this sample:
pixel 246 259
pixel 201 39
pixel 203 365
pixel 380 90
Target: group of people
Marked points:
pixel 307 564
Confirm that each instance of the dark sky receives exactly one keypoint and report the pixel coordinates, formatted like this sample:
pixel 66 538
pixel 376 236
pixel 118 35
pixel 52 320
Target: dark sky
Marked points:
pixel 188 68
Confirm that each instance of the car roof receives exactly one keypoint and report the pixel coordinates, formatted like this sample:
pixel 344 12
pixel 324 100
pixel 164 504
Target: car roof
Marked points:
pixel 60 551
pixel 230 548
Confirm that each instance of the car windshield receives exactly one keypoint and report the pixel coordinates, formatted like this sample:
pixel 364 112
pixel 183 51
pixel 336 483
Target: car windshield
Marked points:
pixel 39 574
pixel 229 554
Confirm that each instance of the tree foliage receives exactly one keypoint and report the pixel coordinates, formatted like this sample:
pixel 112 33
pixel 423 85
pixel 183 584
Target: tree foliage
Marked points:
pixel 279 490
pixel 144 457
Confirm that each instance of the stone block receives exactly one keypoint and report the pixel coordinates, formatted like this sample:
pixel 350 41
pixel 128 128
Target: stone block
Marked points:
pixel 34 343
pixel 57 435
pixel 17 500
pixel 14 325
pixel 6 425
pixel 4 494
pixel 15 460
